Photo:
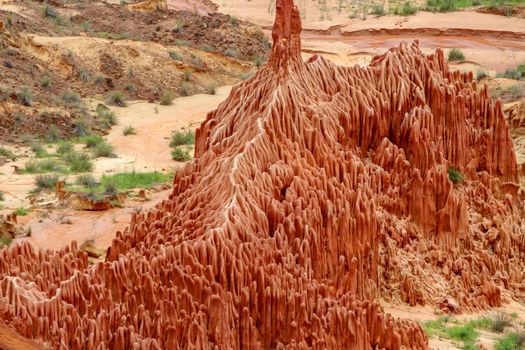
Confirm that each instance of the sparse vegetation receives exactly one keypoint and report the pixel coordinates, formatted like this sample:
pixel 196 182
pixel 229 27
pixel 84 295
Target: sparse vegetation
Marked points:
pixel 49 11
pixel 26 96
pixel 87 180
pixel 180 138
pixel 116 98
pixel 499 321
pixel 211 89
pixel 104 149
pixel 166 98
pixel 92 140
pixel 46 181
pixel 232 52
pixel 175 56
pixel 455 175
pixel 71 98
pixel 245 76
pixel 234 21
pixel 108 117
pixel 456 55
pixel 510 73
pixel 64 147
pixel 53 134
pixel 79 162
pixel 5 240
pixel 406 10
pixel 1 196
pixel 187 74
pixel 48 165
pixel 38 149
pixel 185 88
pixel 7 153
pixel 21 211
pixel 511 341
pixel 378 10
pixel 180 154
pixel 480 74
pixel 45 81
pixel 129 130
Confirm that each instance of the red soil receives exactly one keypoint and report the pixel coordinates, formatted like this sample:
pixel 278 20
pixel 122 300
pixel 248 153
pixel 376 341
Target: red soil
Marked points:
pixel 315 190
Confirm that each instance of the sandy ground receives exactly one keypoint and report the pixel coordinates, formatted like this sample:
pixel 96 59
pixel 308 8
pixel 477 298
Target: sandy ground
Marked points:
pixel 147 151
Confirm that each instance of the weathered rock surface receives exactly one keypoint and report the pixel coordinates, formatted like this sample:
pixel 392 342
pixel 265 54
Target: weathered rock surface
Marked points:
pixel 316 189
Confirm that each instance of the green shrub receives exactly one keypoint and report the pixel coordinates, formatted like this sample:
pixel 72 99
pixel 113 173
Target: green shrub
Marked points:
pixel 185 88
pixel 129 130
pixel 245 76
pixel 465 333
pixel 378 10
pixel 64 147
pixel 38 149
pixel 480 74
pixel 441 5
pixel 521 68
pixel 108 117
pixel 406 10
pixel 2 198
pixel 99 79
pixel 84 75
pixel 5 240
pixel 80 128
pixel 181 155
pixel 116 98
pixel 500 321
pixel 87 180
pixel 78 162
pixel 46 181
pixel 232 52
pixel 511 73
pixel 259 61
pixel 175 56
pixel 43 166
pixel 187 74
pixel 211 89
pixel 49 11
pixel 456 55
pixel 45 81
pixel 7 153
pixel 129 180
pixel 179 138
pixel 455 175
pixel 53 134
pixel 104 149
pixel 234 21
pixel 91 141
pixel 166 98
pixel 26 96
pixel 71 98
pixel 110 185
pixel 511 341
pixel 21 211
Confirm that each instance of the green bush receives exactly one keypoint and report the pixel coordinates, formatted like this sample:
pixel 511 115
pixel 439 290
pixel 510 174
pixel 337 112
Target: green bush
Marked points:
pixel 441 5
pixel 500 321
pixel 211 89
pixel 110 185
pixel 185 88
pixel 80 128
pixel 2 196
pixel 406 10
pixel 175 56
pixel 116 98
pixel 49 11
pixel 87 180
pixel 511 73
pixel 378 10
pixel 45 81
pixel 78 162
pixel 455 175
pixel 187 75
pixel 7 153
pixel 38 149
pixel 234 21
pixel 129 180
pixel 108 117
pixel 245 76
pixel 53 134
pixel 64 147
pixel 166 98
pixel 179 138
pixel 21 211
pixel 511 341
pixel 181 155
pixel 5 240
pixel 43 166
pixel 129 130
pixel 104 149
pixel 46 181
pixel 26 96
pixel 480 74
pixel 91 141
pixel 456 55
pixel 71 98
pixel 232 52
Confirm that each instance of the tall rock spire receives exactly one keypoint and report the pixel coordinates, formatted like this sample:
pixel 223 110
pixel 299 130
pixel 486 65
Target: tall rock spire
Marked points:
pixel 286 34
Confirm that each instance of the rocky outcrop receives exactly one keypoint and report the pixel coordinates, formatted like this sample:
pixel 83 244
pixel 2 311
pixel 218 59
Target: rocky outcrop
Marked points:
pixel 316 189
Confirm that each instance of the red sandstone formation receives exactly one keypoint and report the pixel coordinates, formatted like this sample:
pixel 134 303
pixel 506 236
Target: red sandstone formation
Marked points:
pixel 316 189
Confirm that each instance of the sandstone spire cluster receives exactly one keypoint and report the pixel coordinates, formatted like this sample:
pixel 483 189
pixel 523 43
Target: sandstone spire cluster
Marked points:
pixel 316 190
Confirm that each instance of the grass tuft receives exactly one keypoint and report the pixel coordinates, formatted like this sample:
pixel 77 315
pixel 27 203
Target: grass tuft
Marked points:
pixel 104 149
pixel 456 55
pixel 180 154
pixel 116 98
pixel 46 181
pixel 455 175
pixel 129 130
pixel 179 138
pixel 166 98
pixel 7 153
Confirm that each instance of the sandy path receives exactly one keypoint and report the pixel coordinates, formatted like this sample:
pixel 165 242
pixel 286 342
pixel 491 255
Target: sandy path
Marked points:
pixel 147 151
